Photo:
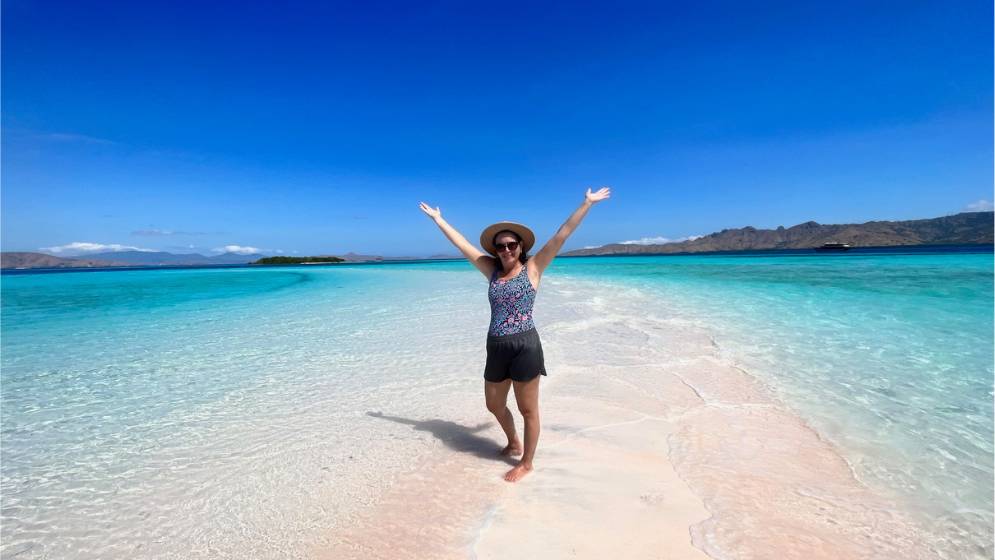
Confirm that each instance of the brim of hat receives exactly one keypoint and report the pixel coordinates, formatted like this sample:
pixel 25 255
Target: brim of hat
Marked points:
pixel 487 237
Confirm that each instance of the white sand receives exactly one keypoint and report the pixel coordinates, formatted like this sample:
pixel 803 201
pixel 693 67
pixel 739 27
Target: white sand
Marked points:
pixel 652 447
pixel 603 488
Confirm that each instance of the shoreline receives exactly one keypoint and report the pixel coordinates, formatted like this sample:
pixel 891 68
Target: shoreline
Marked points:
pixel 672 452
pixel 969 248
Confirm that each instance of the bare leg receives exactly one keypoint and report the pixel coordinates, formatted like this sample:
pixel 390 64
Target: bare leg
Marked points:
pixel 496 395
pixel 527 396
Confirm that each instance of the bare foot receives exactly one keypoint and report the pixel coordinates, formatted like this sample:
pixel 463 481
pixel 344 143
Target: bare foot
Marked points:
pixel 516 474
pixel 512 450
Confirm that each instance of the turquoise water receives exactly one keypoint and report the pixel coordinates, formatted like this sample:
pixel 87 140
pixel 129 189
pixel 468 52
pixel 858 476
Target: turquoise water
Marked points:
pixel 115 383
pixel 194 413
pixel 888 356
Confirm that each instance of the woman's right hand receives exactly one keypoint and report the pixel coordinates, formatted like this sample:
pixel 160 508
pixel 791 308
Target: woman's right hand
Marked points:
pixel 431 212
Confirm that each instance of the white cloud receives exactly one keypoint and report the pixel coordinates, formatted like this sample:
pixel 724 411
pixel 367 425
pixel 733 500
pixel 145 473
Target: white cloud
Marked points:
pixel 182 248
pixel 81 247
pixel 72 137
pixel 658 240
pixel 980 206
pixel 239 250
pixel 162 232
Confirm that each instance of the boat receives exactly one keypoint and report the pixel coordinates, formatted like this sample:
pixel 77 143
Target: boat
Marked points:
pixel 833 247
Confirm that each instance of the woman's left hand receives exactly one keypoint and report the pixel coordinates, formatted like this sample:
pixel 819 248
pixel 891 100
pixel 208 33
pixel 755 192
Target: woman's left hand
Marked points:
pixel 602 194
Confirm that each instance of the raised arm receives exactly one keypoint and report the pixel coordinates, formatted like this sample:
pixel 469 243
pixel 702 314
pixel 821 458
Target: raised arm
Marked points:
pixel 484 263
pixel 546 255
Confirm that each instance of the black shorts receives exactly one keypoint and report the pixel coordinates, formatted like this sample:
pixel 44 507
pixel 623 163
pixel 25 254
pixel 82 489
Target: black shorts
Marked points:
pixel 514 356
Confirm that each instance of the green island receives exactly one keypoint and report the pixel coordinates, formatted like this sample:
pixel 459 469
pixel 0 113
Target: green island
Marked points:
pixel 299 260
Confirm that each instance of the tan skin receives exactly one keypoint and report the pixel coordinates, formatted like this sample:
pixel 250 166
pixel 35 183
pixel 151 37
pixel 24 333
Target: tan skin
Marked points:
pixel 526 392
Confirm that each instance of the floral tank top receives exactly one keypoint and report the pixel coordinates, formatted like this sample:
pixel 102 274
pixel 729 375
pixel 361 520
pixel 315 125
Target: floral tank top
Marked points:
pixel 511 304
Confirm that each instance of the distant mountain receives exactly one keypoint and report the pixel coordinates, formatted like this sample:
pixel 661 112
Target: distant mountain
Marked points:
pixel 966 228
pixel 13 259
pixel 353 257
pixel 160 258
pixel 150 258
pixel 235 258
pixel 122 258
pixel 960 229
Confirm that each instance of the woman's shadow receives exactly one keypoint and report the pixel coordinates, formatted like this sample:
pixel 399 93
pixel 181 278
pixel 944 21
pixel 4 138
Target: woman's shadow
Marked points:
pixel 456 436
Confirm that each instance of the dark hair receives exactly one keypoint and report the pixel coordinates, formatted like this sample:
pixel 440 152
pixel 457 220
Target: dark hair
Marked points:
pixel 522 258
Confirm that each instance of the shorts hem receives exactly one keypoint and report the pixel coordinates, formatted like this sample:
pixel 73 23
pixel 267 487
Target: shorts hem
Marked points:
pixel 513 378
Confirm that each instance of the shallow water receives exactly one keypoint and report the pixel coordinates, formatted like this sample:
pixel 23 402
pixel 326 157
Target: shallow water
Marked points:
pixel 206 412
pixel 197 413
pixel 888 356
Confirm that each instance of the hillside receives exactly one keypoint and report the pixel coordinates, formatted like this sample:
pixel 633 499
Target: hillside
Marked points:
pixel 41 260
pixel 965 228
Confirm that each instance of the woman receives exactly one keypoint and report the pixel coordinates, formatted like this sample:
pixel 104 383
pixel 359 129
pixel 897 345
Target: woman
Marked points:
pixel 514 354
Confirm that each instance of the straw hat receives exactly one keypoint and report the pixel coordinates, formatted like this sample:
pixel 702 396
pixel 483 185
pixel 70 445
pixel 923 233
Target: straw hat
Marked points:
pixel 487 237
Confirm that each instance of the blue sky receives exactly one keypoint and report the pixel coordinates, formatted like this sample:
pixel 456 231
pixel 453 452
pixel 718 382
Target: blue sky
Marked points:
pixel 316 128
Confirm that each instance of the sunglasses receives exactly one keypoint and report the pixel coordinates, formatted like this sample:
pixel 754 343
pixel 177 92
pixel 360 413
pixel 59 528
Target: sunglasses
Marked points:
pixel 510 246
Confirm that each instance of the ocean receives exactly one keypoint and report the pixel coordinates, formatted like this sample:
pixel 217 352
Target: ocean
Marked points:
pixel 203 412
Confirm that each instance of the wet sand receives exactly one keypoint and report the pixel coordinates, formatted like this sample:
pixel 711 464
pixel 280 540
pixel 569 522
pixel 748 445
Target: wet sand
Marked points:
pixel 652 446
